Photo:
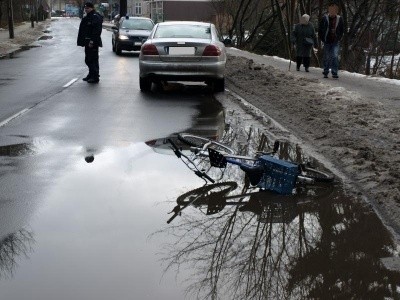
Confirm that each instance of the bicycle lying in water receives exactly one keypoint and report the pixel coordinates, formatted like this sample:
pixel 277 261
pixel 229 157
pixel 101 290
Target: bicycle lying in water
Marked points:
pixel 264 170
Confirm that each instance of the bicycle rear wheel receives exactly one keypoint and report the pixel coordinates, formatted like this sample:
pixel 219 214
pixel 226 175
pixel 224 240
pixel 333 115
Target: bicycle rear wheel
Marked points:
pixel 199 142
pixel 316 175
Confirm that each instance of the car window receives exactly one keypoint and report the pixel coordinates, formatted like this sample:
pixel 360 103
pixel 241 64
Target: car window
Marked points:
pixel 183 31
pixel 132 24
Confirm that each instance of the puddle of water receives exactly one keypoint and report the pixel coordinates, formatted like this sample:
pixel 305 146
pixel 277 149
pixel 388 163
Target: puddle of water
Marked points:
pixel 16 149
pixel 266 246
pixel 45 37
pixel 242 243
pixel 83 215
pixel 89 225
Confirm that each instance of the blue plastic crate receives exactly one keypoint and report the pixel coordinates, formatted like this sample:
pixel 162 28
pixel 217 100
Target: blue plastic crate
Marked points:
pixel 279 175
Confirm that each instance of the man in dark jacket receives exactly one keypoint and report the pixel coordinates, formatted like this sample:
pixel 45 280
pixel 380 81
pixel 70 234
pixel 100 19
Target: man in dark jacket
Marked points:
pixel 330 32
pixel 89 36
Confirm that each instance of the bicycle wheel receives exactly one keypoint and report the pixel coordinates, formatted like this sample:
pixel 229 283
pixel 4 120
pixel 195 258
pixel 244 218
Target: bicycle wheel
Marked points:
pixel 202 194
pixel 316 175
pixel 199 142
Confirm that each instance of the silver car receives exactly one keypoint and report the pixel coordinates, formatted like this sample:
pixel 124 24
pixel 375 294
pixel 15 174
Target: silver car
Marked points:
pixel 183 51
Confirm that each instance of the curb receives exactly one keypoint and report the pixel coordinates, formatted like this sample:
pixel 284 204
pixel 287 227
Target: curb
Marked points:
pixel 23 47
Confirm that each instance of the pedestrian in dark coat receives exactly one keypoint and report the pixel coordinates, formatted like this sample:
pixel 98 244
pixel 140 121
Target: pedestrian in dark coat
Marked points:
pixel 304 39
pixel 330 31
pixel 89 36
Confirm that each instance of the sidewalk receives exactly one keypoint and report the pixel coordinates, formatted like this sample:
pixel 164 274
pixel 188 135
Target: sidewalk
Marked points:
pixel 24 36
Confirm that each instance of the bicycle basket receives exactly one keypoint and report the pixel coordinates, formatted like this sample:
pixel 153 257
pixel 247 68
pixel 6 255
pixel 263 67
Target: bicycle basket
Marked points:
pixel 279 175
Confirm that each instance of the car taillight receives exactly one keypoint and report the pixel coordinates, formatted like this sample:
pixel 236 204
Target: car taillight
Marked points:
pixel 212 50
pixel 149 49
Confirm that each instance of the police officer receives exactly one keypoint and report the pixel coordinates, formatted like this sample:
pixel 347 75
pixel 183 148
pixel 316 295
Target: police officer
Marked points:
pixel 89 36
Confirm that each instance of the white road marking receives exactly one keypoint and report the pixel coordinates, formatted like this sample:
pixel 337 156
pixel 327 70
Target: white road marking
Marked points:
pixel 14 116
pixel 71 82
pixel 18 114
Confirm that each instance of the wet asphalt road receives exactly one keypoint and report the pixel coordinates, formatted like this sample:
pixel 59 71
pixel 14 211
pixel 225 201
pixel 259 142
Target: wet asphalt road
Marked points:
pixel 73 230
pixel 76 230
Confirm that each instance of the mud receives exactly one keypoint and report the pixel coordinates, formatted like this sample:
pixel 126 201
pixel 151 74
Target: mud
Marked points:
pixel 357 137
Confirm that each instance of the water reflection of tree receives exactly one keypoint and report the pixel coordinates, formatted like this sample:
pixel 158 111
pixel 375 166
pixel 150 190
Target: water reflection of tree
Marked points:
pixel 12 246
pixel 345 261
pixel 330 250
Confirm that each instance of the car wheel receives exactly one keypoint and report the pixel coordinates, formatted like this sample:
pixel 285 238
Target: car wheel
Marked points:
pixel 113 46
pixel 219 85
pixel 117 49
pixel 145 84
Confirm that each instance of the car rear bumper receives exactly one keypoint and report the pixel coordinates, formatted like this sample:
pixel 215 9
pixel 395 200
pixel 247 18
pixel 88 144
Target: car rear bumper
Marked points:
pixel 193 71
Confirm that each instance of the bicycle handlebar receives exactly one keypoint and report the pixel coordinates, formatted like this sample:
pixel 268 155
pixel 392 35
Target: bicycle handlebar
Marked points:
pixel 177 210
pixel 172 218
pixel 203 174
pixel 176 150
pixel 179 154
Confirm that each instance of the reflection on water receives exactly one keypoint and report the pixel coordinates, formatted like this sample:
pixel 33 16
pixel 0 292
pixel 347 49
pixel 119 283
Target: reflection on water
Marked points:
pixel 271 247
pixel 318 243
pixel 16 149
pixel 13 246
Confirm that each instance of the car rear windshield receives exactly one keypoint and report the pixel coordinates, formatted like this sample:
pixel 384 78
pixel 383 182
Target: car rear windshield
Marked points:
pixel 183 31
pixel 133 24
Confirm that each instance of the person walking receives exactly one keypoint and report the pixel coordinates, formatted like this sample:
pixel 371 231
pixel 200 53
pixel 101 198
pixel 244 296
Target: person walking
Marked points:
pixel 330 32
pixel 89 36
pixel 304 38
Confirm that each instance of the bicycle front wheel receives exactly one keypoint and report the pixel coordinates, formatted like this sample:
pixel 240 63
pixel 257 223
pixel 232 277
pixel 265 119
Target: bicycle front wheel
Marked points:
pixel 199 142
pixel 200 196
pixel 316 175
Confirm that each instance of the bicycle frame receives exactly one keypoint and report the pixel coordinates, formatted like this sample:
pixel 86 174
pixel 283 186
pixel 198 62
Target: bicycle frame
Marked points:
pixel 264 170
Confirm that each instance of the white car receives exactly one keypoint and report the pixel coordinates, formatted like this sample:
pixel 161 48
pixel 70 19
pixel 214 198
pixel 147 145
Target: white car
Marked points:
pixel 183 51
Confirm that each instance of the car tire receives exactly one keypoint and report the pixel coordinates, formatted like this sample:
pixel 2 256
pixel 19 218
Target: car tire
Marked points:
pixel 113 46
pixel 219 85
pixel 145 84
pixel 117 49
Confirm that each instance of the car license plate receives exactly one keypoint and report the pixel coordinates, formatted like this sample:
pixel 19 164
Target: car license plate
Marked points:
pixel 138 43
pixel 181 50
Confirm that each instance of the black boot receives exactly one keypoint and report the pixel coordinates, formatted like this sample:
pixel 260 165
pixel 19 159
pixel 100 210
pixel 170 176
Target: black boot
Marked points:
pixel 93 79
pixel 299 60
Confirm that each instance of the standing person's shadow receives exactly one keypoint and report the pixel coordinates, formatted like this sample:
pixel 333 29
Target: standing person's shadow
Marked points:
pixel 89 159
pixel 89 154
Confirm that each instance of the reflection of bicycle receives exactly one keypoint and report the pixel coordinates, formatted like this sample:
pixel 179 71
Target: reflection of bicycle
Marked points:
pixel 263 170
pixel 268 205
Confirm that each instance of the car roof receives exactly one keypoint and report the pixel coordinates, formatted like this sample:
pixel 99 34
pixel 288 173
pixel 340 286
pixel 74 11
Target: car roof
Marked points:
pixel 184 22
pixel 137 18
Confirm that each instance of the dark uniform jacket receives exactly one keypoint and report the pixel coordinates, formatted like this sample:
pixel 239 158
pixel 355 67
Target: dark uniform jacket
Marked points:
pixel 324 32
pixel 90 30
